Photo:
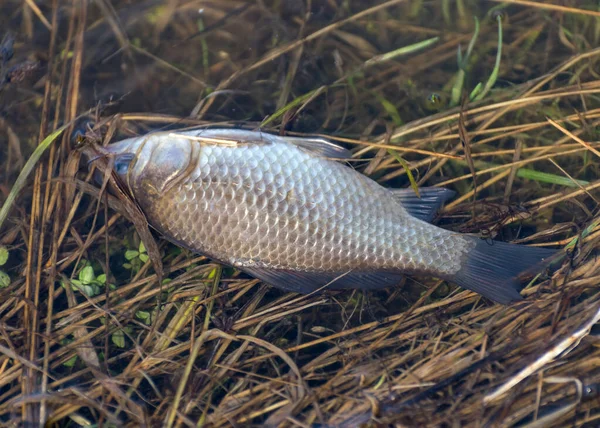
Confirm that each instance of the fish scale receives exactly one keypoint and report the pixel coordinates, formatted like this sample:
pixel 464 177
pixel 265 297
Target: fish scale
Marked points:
pixel 279 210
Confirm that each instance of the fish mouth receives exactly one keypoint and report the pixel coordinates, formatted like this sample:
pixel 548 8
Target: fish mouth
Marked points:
pixel 120 167
pixel 120 147
pixel 92 152
pixel 115 154
pixel 119 151
pixel 93 158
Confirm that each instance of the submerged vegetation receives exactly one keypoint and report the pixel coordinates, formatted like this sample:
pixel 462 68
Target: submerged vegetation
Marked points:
pixel 102 323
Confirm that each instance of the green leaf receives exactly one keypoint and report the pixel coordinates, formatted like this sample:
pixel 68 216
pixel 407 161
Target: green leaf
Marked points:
pixel 86 275
pixel 3 255
pixel 71 361
pixel 127 265
pixel 144 315
pixel 101 278
pixel 89 290
pixel 118 338
pixel 142 248
pixel 144 257
pixel 131 254
pixel 4 279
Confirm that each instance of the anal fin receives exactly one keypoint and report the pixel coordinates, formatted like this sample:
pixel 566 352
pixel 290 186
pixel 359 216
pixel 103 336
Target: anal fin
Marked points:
pixel 307 282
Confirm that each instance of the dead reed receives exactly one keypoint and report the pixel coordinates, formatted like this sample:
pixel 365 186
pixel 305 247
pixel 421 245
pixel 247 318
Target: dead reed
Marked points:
pixel 90 335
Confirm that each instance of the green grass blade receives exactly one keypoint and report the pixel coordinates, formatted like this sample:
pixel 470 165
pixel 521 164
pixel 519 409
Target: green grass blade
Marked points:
pixel 446 12
pixel 457 88
pixel 411 178
pixel 400 51
pixel 545 177
pixel 294 103
pixel 587 231
pixel 476 90
pixel 375 60
pixel 531 174
pixel 471 44
pixel 391 110
pixel 22 179
pixel 494 76
pixel 205 51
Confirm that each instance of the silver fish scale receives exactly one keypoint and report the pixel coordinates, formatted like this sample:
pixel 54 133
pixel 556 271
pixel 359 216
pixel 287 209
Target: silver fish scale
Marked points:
pixel 277 206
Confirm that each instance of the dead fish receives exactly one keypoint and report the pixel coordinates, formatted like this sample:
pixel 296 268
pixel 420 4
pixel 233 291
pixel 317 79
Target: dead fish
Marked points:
pixel 281 210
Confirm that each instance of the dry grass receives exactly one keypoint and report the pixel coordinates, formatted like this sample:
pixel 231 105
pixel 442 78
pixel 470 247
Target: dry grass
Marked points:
pixel 212 347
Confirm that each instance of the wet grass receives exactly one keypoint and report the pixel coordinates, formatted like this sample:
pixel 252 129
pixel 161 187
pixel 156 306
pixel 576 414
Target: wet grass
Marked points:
pixel 498 101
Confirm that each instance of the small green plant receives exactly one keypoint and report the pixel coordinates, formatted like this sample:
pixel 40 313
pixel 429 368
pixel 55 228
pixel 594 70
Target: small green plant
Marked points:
pixel 118 336
pixel 480 90
pixel 4 278
pixel 88 283
pixel 71 361
pixel 136 258
pixel 147 317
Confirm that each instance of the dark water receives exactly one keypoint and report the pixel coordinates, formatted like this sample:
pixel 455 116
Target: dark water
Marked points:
pixel 147 56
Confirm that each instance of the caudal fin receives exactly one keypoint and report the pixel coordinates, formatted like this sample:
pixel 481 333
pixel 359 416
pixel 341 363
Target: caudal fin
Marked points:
pixel 496 270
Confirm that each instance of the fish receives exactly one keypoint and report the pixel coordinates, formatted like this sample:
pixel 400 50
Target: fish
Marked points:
pixel 292 212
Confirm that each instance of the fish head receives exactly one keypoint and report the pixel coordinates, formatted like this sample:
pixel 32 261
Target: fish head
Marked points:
pixel 152 164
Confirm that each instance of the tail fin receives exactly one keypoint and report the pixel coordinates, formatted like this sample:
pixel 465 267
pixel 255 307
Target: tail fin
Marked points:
pixel 496 269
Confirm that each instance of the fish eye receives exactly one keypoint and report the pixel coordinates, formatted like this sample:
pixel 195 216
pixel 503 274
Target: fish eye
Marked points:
pixel 81 132
pixel 122 163
pixel 435 102
pixel 434 98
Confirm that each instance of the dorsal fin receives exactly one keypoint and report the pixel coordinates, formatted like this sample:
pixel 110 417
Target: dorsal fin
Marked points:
pixel 315 145
pixel 320 147
pixel 425 207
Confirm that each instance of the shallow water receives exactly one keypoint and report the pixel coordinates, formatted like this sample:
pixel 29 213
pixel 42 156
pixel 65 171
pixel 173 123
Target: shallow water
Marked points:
pixel 154 57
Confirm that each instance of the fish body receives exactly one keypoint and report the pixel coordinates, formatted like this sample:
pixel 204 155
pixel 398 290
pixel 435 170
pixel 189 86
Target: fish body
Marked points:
pixel 281 210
